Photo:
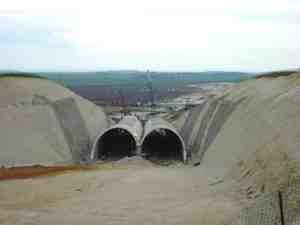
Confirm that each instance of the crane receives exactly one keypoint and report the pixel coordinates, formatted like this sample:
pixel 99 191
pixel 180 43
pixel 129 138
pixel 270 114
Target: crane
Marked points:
pixel 150 87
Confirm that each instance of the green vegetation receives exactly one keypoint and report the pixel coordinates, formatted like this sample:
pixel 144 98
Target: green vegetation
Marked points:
pixel 139 78
pixel 276 74
pixel 21 75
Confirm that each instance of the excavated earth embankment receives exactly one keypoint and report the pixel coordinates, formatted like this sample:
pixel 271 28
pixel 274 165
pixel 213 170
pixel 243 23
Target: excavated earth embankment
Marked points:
pixel 43 122
pixel 252 130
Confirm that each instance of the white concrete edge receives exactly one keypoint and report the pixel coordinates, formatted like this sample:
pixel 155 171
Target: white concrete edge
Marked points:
pixel 184 153
pixel 117 126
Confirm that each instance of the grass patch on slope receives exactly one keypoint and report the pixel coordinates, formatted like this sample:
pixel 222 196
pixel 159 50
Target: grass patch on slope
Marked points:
pixel 21 75
pixel 276 74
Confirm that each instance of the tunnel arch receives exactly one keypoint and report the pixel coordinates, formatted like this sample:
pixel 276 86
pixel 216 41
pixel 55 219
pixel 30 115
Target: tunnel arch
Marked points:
pixel 115 144
pixel 118 141
pixel 161 140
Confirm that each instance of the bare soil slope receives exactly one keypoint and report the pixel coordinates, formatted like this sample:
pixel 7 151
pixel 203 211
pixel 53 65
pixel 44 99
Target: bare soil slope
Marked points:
pixel 42 122
pixel 258 146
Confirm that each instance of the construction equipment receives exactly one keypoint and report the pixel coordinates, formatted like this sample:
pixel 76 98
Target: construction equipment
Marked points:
pixel 150 87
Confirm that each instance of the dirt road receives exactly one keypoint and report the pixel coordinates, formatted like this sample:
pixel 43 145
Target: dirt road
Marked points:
pixel 127 193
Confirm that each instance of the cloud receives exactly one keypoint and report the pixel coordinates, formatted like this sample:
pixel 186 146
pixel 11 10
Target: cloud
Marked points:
pixel 160 35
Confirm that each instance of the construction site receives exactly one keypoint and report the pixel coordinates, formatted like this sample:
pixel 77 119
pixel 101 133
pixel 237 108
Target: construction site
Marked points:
pixel 226 156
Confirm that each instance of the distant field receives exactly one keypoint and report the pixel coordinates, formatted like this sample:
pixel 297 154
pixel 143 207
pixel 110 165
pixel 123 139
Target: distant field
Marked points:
pixel 131 87
pixel 125 78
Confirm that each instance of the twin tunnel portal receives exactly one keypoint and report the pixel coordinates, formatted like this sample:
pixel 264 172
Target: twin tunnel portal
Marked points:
pixel 158 140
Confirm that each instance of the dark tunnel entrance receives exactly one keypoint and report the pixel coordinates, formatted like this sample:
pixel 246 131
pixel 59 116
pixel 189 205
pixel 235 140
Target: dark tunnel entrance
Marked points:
pixel 115 144
pixel 162 145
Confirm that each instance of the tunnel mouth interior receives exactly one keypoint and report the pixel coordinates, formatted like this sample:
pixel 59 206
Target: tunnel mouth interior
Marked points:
pixel 162 146
pixel 115 144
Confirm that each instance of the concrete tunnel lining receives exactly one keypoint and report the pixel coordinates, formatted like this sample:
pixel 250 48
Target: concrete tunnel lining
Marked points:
pixel 115 144
pixel 118 141
pixel 166 141
pixel 163 144
pixel 160 140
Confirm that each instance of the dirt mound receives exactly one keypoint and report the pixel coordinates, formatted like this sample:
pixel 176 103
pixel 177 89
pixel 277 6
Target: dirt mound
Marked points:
pixel 43 122
pixel 133 161
pixel 258 145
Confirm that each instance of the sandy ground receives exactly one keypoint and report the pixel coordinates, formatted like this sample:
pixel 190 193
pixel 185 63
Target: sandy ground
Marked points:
pixel 133 192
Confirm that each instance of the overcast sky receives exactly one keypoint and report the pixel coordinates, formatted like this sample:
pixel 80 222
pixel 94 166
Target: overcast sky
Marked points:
pixel 161 35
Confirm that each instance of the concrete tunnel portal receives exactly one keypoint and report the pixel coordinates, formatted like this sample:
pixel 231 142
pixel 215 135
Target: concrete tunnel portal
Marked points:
pixel 119 141
pixel 162 144
pixel 115 144
pixel 160 141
